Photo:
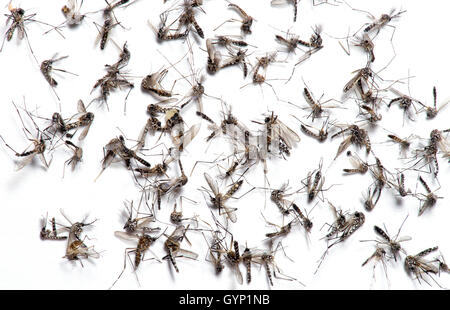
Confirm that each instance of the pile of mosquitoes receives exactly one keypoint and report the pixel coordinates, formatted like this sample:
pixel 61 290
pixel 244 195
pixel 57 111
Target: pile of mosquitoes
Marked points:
pixel 156 228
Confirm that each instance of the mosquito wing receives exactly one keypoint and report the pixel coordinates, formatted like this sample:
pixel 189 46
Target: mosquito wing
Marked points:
pixel 287 133
pixel 187 137
pixel 84 132
pixel 280 2
pixel 230 214
pixel 22 163
pixel 403 239
pixel 212 185
pixel 178 234
pixel 126 236
pixel 237 273
pixel 187 254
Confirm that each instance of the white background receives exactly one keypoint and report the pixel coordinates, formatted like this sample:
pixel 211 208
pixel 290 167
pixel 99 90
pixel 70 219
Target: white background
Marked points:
pixel 27 195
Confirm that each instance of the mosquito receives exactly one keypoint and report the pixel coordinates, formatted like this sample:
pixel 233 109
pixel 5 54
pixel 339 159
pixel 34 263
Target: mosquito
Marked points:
pixel 404 143
pixel 219 199
pixel 77 154
pixel 417 265
pixel 384 20
pixel 18 20
pixel 344 226
pixel 138 224
pixel 320 135
pixel 236 59
pixel 84 119
pixel 152 84
pixel 405 103
pixel 77 250
pixel 164 187
pixel 283 2
pixel 280 134
pixel 246 22
pixel 187 18
pixel 233 257
pixel 379 256
pixel 163 32
pixel 367 44
pixel 304 220
pixel 359 166
pixel 278 196
pixel 144 241
pixel 172 245
pixel 72 13
pixel 228 42
pixel 117 147
pixel 356 135
pixel 370 113
pixel 47 234
pixel 429 199
pixel 400 185
pixel 363 74
pixel 47 68
pixel 317 108
pixel 215 251
pixel 314 182
pixel 433 111
pixel 393 244
pixel 38 143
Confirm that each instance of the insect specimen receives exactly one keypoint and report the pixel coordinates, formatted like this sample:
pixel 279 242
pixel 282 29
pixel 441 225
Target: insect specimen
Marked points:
pixel 363 74
pixel 117 147
pixel 320 135
pixel 47 68
pixel 144 241
pixel 77 154
pixel 187 17
pixel 356 135
pixel 164 187
pixel 84 119
pixel 433 111
pixel 279 134
pixel 283 2
pixel 419 266
pixel 47 234
pixel 228 42
pixel 152 83
pixel 406 103
pixel 38 143
pixel 138 224
pixel 359 166
pixel 18 21
pixel 164 32
pixel 404 143
pixel 304 220
pixel 384 20
pixel 367 44
pixel 246 22
pixel 278 197
pixel 429 199
pixel 379 256
pixel 236 59
pixel 72 13
pixel 219 199
pixel 343 227
pixel 215 251
pixel 114 78
pixel 314 182
pixel 172 245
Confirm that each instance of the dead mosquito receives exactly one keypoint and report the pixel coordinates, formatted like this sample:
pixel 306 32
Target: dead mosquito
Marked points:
pixel 379 256
pixel 418 266
pixel 39 145
pixel 279 134
pixel 237 58
pixel 355 135
pixel 152 84
pixel 433 111
pixel 320 135
pixel 76 157
pixel 84 119
pixel 138 224
pixel 164 32
pixel 47 234
pixel 429 199
pixel 362 75
pixel 47 68
pixel 344 226
pixel 144 241
pixel 246 22
pixel 359 166
pixel 116 147
pixel 173 247
pixel 218 199
pixel 164 187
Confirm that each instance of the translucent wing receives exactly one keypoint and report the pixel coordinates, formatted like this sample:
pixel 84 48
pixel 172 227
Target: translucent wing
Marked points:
pixel 280 2
pixel 178 233
pixel 84 132
pixel 230 214
pixel 186 254
pixel 187 137
pixel 22 163
pixel 212 184
pixel 237 273
pixel 80 107
pixel 126 236
pixel 404 238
